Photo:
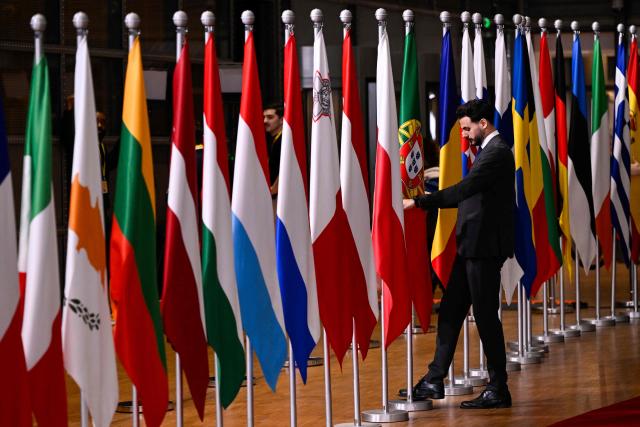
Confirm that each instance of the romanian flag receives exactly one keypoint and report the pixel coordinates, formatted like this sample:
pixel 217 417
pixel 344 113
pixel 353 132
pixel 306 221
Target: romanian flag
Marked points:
pixel 134 292
pixel 522 117
pixel 443 250
pixel 545 224
pixel 634 125
pixel 563 158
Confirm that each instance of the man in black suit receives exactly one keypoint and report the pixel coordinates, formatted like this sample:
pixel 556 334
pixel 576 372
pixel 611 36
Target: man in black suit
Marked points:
pixel 484 238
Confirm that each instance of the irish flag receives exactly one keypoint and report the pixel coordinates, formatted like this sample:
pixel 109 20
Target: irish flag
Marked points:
pixel 38 260
pixel 14 394
pixel 221 304
pixel 182 301
pixel 87 339
pixel 134 293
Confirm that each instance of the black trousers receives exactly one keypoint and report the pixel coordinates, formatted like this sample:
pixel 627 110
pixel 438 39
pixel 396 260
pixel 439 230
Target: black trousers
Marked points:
pixel 473 281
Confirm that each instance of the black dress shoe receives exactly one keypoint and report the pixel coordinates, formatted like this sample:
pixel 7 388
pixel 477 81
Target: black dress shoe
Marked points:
pixel 424 390
pixel 489 399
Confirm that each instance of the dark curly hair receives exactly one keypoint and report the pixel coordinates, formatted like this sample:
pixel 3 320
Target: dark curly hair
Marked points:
pixel 476 110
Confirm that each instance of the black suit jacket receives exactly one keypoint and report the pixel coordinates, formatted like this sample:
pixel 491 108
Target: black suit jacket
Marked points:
pixel 485 199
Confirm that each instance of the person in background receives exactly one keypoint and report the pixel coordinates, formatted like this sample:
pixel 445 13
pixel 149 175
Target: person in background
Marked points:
pixel 273 116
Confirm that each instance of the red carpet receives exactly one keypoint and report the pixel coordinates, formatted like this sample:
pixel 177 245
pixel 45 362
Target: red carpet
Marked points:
pixel 626 413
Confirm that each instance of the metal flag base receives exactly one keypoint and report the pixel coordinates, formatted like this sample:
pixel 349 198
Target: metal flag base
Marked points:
pixel 385 416
pixel 526 359
pixel 311 362
pixel 413 406
pixel 469 380
pixel 583 327
pixel 478 373
pixel 513 366
pixel 634 315
pixel 457 390
pixel 549 338
pixel 534 347
pixel 358 425
pixel 566 333
pixel 603 322
pixel 618 318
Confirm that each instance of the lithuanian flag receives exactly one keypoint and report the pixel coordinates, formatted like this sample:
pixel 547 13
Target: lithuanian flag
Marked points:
pixel 134 293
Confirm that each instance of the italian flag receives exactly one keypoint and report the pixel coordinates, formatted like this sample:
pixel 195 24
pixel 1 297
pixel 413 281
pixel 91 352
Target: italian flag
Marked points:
pixel 38 261
pixel 221 303
pixel 134 294
pixel 600 155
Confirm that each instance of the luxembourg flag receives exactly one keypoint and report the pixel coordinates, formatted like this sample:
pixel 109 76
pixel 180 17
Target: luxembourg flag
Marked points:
pixel 294 254
pixel 14 393
pixel 253 229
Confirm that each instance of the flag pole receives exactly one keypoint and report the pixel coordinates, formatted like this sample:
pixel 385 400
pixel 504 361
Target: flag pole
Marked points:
pixel 208 20
pixel 132 22
pixel 346 17
pixel 409 404
pixel 248 18
pixel 180 21
pixel 288 19
pixel 81 24
pixel 318 19
pixel 614 318
pixel 384 415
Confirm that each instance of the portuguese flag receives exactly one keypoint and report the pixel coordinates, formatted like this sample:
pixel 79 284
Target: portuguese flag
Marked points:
pixel 138 330
pixel 411 172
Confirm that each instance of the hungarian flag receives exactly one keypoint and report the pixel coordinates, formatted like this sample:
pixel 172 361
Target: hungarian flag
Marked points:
pixel 354 182
pixel 294 256
pixel 563 156
pixel 468 92
pixel 182 301
pixel 14 393
pixel 580 197
pixel 412 174
pixel 601 155
pixel 388 219
pixel 87 338
pixel 633 78
pixel 620 156
pixel 329 224
pixel 522 105
pixel 545 224
pixel 253 229
pixel 221 304
pixel 443 250
pixel 38 261
pixel 134 293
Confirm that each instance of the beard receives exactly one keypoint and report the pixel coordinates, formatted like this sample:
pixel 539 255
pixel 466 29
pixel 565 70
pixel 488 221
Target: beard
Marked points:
pixel 477 141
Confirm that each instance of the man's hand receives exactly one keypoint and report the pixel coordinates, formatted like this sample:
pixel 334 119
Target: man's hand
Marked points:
pixel 408 204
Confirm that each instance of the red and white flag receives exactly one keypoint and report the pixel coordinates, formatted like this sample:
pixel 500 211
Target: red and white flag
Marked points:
pixel 388 217
pixel 14 394
pixel 328 220
pixel 182 301
pixel 354 181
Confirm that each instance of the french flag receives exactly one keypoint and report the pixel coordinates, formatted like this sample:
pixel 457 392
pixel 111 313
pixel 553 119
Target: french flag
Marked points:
pixel 253 229
pixel 14 394
pixel 294 253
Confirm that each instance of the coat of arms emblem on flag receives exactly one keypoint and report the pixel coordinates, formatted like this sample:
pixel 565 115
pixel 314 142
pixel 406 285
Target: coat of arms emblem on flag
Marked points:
pixel 411 157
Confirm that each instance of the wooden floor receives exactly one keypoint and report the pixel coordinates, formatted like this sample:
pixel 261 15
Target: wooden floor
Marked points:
pixel 595 370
